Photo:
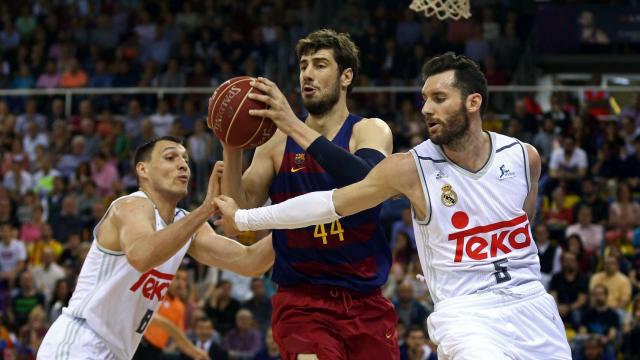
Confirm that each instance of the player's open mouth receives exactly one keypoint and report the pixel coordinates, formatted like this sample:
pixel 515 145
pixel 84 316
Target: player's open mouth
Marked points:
pixel 308 90
pixel 432 124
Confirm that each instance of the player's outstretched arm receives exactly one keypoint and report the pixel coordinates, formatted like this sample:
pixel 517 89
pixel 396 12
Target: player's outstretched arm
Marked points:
pixel 386 180
pixel 216 250
pixel 181 340
pixel 144 247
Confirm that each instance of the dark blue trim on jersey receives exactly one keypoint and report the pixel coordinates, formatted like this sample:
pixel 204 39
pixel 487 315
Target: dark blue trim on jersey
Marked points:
pixel 507 146
pixel 426 187
pixel 526 169
pixel 430 159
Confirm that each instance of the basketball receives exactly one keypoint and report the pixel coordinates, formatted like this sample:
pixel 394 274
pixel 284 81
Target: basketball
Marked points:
pixel 228 115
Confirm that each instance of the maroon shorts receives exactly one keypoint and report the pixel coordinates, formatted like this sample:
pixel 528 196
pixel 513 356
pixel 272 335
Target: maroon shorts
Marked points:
pixel 334 323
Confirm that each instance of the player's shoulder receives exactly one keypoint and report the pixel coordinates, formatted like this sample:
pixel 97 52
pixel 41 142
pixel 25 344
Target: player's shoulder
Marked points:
pixel 129 206
pixel 374 124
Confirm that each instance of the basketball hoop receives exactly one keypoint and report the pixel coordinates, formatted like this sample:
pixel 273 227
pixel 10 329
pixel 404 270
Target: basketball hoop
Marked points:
pixel 443 9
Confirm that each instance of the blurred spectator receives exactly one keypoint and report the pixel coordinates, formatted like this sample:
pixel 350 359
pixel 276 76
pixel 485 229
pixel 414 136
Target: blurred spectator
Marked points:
pixel 631 336
pixel 270 350
pixel 592 235
pixel 173 77
pixel 205 339
pixel 405 225
pixel 409 311
pixel 243 342
pixel 32 139
pixel 47 273
pixel 558 215
pixel 608 163
pixel 568 163
pixel 68 222
pixel 32 333
pixel 418 346
pixel 24 79
pixel 30 115
pixel 599 318
pixel 51 77
pixel 162 119
pixel 31 230
pixel 69 162
pixel 18 180
pixel 591 197
pixel 617 284
pixel 549 254
pixel 13 254
pixel 9 36
pixel 27 297
pixel 74 76
pixel 60 297
pixel 259 304
pixel 221 307
pixel 570 288
pixel 35 250
pixel 633 111
pixel 189 117
pixel 624 213
pixel 103 174
pixel 593 349
pixel 101 77
pixel 543 140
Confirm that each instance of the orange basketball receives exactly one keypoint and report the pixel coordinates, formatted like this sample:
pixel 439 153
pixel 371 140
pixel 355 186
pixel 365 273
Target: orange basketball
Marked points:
pixel 228 115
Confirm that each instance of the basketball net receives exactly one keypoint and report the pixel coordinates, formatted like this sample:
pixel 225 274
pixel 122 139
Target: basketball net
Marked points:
pixel 443 9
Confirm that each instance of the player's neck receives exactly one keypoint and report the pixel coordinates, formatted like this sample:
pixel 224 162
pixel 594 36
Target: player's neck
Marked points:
pixel 329 123
pixel 471 153
pixel 166 206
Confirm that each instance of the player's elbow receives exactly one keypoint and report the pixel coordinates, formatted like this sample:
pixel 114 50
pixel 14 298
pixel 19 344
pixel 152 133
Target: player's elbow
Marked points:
pixel 139 262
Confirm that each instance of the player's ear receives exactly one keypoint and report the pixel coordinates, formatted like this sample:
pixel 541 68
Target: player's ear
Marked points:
pixel 347 77
pixel 474 102
pixel 141 169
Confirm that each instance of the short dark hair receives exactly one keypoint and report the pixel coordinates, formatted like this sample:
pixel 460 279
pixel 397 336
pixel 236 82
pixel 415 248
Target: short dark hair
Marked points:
pixel 344 49
pixel 417 328
pixel 469 79
pixel 143 152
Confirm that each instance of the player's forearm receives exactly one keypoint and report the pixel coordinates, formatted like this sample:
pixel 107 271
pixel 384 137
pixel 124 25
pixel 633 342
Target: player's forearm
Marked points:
pixel 156 249
pixel 178 336
pixel 301 211
pixel 232 177
pixel 300 133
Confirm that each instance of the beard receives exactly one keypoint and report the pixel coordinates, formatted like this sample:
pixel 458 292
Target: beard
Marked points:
pixel 324 103
pixel 453 129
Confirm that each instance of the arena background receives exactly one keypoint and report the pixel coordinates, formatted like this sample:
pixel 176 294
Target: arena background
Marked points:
pixel 82 83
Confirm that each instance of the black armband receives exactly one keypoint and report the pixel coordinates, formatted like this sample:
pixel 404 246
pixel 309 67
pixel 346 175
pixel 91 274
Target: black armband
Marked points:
pixel 345 167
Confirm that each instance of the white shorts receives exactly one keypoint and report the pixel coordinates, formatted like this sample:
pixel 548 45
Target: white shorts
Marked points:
pixel 516 323
pixel 70 338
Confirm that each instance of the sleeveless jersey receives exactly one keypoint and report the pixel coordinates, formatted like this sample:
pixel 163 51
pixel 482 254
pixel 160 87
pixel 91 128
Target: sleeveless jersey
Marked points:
pixel 115 299
pixel 476 236
pixel 351 252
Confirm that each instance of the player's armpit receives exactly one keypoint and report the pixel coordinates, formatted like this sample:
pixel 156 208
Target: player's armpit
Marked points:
pixel 216 250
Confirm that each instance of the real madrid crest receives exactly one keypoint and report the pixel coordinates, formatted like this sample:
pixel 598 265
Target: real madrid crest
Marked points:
pixel 448 197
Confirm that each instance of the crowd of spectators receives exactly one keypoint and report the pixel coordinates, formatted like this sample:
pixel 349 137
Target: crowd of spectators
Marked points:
pixel 59 172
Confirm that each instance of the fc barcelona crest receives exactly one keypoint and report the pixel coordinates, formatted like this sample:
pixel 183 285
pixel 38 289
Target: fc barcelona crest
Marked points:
pixel 299 159
pixel 448 197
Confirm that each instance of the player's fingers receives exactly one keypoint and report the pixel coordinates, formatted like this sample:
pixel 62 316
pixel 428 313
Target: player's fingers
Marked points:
pixel 262 113
pixel 267 81
pixel 262 98
pixel 261 86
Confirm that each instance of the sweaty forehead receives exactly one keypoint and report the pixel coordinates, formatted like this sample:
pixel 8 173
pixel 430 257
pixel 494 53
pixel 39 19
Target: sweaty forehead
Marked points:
pixel 318 55
pixel 166 145
pixel 442 82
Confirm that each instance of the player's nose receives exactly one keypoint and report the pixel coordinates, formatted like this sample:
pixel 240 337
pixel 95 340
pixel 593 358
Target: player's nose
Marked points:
pixel 427 108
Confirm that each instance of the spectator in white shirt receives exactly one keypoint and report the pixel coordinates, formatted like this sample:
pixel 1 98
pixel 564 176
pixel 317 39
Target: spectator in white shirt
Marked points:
pixel 13 254
pixel 162 120
pixel 32 139
pixel 592 235
pixel 568 164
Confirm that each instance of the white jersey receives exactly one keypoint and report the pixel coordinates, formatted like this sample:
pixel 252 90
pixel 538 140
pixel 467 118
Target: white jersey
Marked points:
pixel 115 299
pixel 476 236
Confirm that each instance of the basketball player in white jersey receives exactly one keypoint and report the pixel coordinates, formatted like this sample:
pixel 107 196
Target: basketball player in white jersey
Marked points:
pixel 472 194
pixel 137 248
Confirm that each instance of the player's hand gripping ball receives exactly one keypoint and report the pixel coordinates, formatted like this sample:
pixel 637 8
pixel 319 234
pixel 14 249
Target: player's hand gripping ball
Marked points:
pixel 228 115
